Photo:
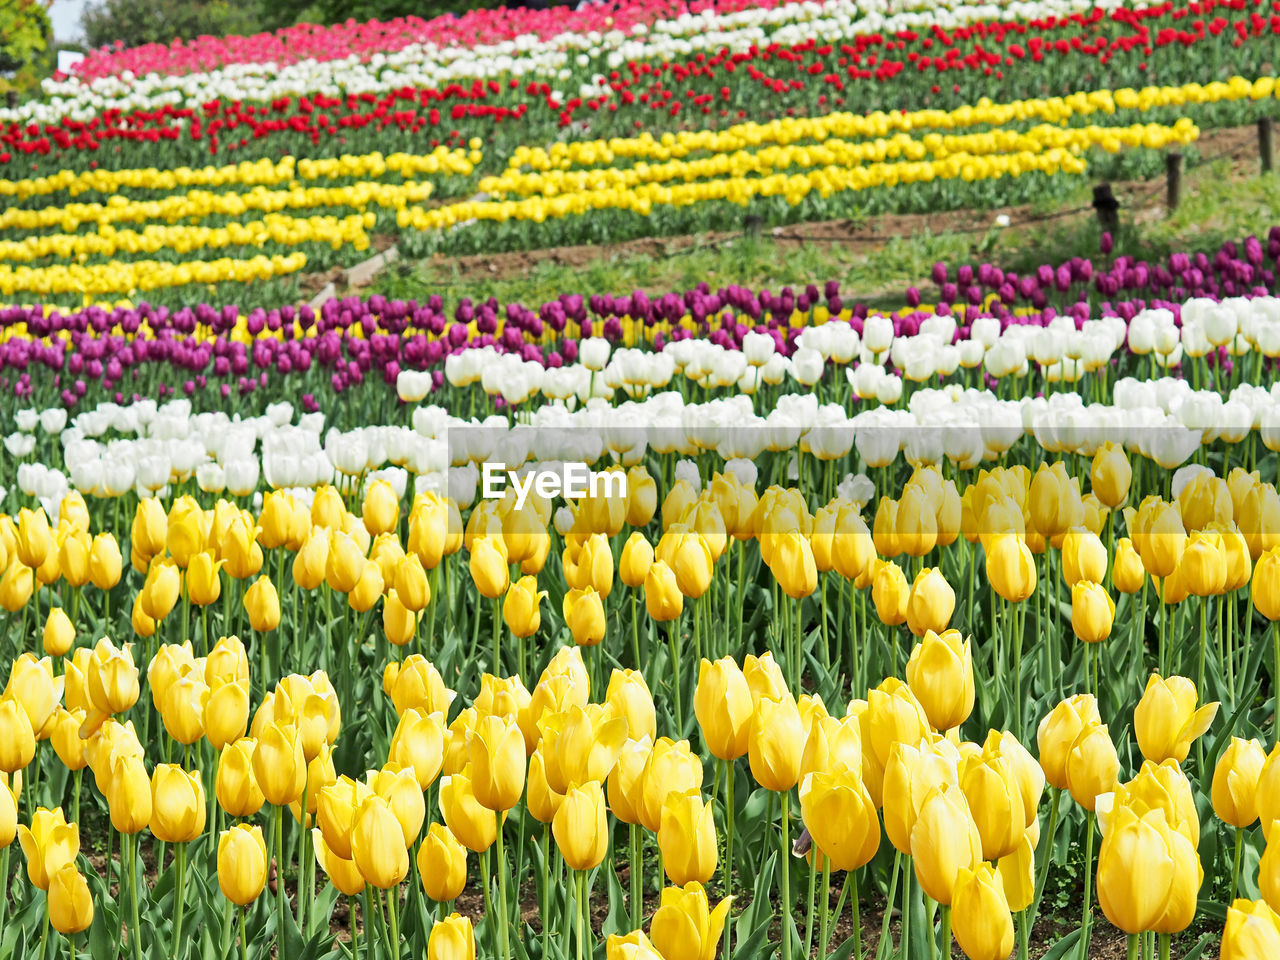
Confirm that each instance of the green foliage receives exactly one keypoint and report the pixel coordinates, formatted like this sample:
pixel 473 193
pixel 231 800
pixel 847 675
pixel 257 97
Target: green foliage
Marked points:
pixel 282 13
pixel 137 22
pixel 25 32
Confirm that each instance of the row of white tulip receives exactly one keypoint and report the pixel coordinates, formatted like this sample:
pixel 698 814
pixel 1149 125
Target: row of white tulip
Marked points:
pixel 584 57
pixel 1062 352
pixel 1163 420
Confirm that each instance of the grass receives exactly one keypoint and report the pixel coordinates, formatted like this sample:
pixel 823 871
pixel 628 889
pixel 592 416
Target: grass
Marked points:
pixel 1219 203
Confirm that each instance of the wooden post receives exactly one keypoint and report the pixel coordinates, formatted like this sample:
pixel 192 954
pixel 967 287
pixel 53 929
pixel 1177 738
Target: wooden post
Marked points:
pixel 1264 143
pixel 1173 171
pixel 1107 207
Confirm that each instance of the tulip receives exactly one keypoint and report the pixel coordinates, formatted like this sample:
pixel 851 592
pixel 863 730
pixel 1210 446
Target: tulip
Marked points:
pixel 930 602
pixel 520 608
pixel 1148 873
pixel 634 946
pixel 890 593
pixel 161 589
pixel 1017 874
pixel 418 744
pixel 183 709
pixel 279 766
pixel 833 745
pixel 1264 589
pixel 910 776
pixel 776 744
pixel 1159 536
pixel 685 926
pixel 237 791
pixel 497 763
pixel 1092 611
pixel 990 784
pixel 177 804
pixel 415 683
pixel 687 838
pixel 16 587
pixel 580 828
pixel 839 814
pixel 203 584
pixel 129 795
pixel 242 864
pixel 489 567
pixel 17 739
pixel 451 939
pixel 724 707
pixel 35 540
pixel 442 864
pixel 1166 720
pixel 59 633
pixel 1010 567
pixel 1059 730
pixel 584 615
pixel 70 904
pixel 1252 930
pixel 66 742
pixel 343 874
pixel 630 699
pixel 475 826
pixel 1127 572
pixel 637 557
pixel 981 921
pixel 583 744
pixel 892 715
pixel 1083 557
pixel 49 844
pixel 380 509
pixel 378 846
pixel 1235 782
pixel 670 768
pixel 1092 766
pixel 1110 474
pixel 940 674
pixel 226 712
pixel 662 597
pixel 105 563
pixel 793 565
pixel 944 842
pixel 689 556
pixel 262 603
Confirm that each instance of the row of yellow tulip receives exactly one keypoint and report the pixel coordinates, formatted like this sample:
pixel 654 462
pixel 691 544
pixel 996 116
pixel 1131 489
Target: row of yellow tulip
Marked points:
pixel 265 172
pixel 880 124
pixel 116 277
pixel 825 181
pixel 203 203
pixel 834 152
pixel 184 240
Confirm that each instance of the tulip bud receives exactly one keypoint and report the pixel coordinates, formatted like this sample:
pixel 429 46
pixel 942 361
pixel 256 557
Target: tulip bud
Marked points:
pixel 891 594
pixel 399 788
pixel 980 917
pixel 630 699
pixel 442 864
pixel 687 838
pixel 1092 611
pixel 49 844
pixel 242 864
pixel 642 497
pixel 1264 589
pixel 497 757
pixel 1110 475
pixel 1127 572
pixel 279 766
pixel 473 824
pixel 70 905
pixel 1235 782
pixel 584 613
pixel 940 674
pixel 944 843
pixel 73 558
pixel 662 597
pixel 724 707
pixel 670 768
pixel 637 557
pixel 489 567
pixel 793 565
pixel 1252 930
pixel 1058 731
pixel 129 795
pixel 262 603
pixel 236 789
pixel 1017 874
pixel 177 804
pixel 520 608
pixel 35 539
pixel 203 585
pixel 418 743
pixel 1148 873
pixel 377 844
pixel 930 602
pixel 1092 765
pixel 59 633
pixel 1083 557
pixel 580 828
pixel 776 744
pixel 399 623
pixel 839 814
pixel 380 509
pixel 105 563
pixel 1010 567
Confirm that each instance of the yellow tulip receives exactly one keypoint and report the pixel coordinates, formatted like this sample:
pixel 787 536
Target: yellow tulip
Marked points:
pixel 70 905
pixel 1166 721
pixel 1083 557
pixel 940 674
pixel 724 707
pixel 1235 782
pixel 981 921
pixel 237 791
pixel 670 768
pixel 637 557
pixel 242 864
pixel 687 838
pixel 399 788
pixel 451 939
pixel 1127 572
pixel 442 864
pixel 642 497
pixel 380 509
pixel 891 594
pixel 473 824
pixel 377 844
pixel 497 757
pixel 1149 874
pixel 1010 567
pixel 1058 731
pixel 629 696
pixel 489 567
pixel 1017 874
pixel 910 776
pixel 580 827
pixel 776 744
pixel 203 585
pixel 1110 474
pixel 49 844
pixel 1092 765
pixel 1252 930
pixel 35 540
pixel 105 563
pixel 839 814
pixel 944 843
pixel 584 613
pixel 262 603
pixel 662 597
pixel 129 794
pixel 343 874
pixel 625 784
pixel 418 744
pixel 1264 589
pixel 685 926
pixel 279 766
pixel 177 804
pixel 793 565
pixel 1092 611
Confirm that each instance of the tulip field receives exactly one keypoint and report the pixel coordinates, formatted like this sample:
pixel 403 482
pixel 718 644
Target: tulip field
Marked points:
pixel 744 621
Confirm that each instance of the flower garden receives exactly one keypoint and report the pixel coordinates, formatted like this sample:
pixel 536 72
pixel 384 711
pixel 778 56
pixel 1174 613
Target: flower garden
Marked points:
pixel 944 628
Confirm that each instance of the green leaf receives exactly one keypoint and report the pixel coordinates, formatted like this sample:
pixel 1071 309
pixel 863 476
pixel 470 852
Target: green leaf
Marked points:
pixel 1063 947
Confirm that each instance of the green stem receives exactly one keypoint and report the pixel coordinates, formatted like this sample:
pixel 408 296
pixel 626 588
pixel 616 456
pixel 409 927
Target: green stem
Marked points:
pixel 1275 675
pixel 44 937
pixel 503 938
pixel 1164 940
pixel 497 636
pixel 355 930
pixel 823 929
pixel 393 922
pixel 1047 845
pixel 244 937
pixel 946 933
pixel 637 884
pixel 855 909
pixel 1024 945
pixel 785 884
pixel 1088 888
pixel 888 908
pixel 813 886
pixel 282 898
pixel 135 928
pixel 1131 953
pixel 179 893
pixel 728 856
pixel 1235 866
pixel 675 669
pixel 581 883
